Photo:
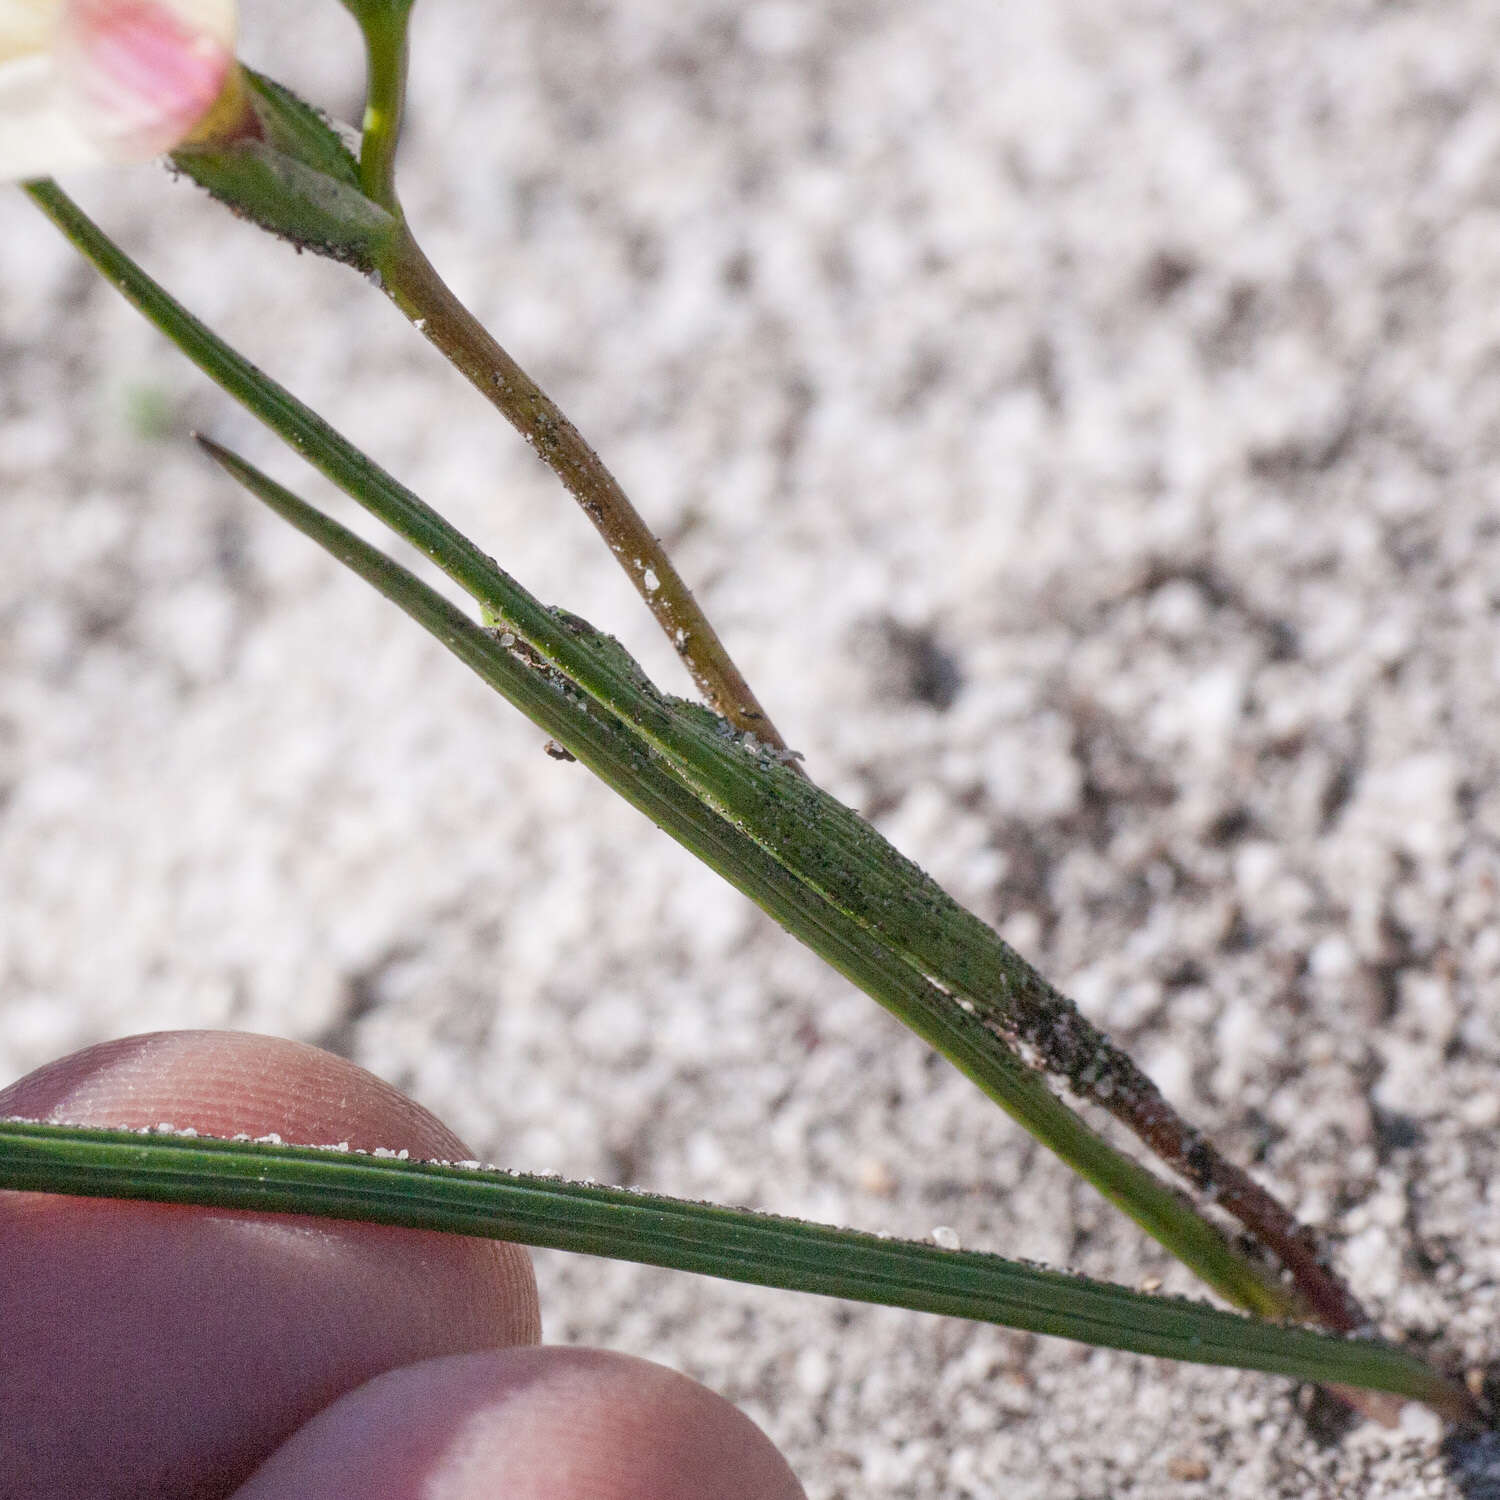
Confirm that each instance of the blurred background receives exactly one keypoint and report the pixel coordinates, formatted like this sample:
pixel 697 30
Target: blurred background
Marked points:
pixel 1083 423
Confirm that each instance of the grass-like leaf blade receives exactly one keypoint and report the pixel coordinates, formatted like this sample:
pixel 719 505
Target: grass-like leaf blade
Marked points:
pixel 729 1243
pixel 744 819
pixel 615 751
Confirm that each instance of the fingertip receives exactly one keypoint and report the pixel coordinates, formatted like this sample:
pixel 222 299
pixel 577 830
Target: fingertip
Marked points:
pixel 532 1424
pixel 225 1082
pixel 146 1345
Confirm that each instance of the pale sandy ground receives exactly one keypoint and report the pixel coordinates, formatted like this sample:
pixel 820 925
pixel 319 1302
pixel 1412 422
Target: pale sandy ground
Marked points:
pixel 1084 419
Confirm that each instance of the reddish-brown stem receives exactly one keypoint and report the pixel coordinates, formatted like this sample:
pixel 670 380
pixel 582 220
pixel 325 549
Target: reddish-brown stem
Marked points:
pixel 1052 1031
pixel 1046 1025
pixel 412 283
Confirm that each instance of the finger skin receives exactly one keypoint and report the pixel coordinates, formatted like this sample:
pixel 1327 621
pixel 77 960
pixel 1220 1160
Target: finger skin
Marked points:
pixel 528 1424
pixel 150 1349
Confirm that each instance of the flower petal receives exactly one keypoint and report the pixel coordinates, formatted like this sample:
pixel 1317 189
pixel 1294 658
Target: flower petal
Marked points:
pixel 84 83
pixel 40 131
pixel 142 73
pixel 26 27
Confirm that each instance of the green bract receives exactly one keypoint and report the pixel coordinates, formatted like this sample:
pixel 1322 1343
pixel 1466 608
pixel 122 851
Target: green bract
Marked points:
pixel 299 180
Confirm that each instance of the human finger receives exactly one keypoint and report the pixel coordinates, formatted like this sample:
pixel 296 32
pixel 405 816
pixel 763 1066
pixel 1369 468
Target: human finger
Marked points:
pixel 166 1350
pixel 528 1424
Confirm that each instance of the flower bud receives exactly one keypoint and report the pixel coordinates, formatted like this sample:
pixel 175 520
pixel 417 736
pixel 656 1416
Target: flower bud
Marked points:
pixel 89 82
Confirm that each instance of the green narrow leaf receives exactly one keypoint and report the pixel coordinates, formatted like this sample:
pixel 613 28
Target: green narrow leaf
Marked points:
pixel 615 751
pixel 646 765
pixel 729 1243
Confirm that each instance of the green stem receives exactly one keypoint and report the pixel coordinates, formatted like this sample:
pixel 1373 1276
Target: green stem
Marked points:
pixel 732 1244
pixel 412 283
pixel 384 29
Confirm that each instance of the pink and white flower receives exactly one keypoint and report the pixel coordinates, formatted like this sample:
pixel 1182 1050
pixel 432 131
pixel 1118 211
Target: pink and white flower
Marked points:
pixel 89 82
